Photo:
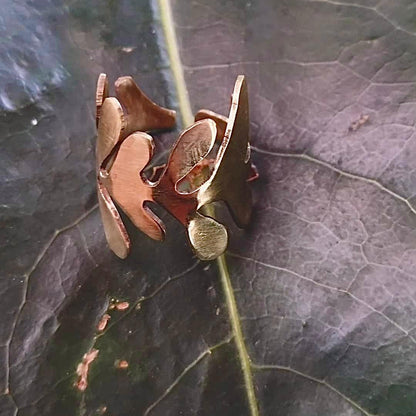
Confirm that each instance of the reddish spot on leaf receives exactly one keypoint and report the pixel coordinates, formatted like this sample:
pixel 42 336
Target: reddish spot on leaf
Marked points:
pixel 121 364
pixel 83 369
pixel 121 306
pixel 358 123
pixel 103 322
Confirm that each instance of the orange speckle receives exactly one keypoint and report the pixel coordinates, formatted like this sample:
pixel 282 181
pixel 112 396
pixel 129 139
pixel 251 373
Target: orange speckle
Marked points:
pixel 354 126
pixel 121 364
pixel 121 306
pixel 103 322
pixel 83 368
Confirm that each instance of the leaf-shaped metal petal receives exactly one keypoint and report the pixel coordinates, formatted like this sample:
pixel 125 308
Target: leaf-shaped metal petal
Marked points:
pixel 110 127
pixel 207 237
pixel 192 147
pixel 142 114
pixel 197 141
pixel 115 232
pixel 127 187
pixel 221 123
pixel 229 179
pixel 119 165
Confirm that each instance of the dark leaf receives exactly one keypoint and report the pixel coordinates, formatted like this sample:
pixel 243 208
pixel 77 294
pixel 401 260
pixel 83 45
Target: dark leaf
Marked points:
pixel 324 277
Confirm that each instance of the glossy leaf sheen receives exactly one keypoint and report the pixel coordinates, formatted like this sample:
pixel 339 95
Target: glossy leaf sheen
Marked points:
pixel 325 275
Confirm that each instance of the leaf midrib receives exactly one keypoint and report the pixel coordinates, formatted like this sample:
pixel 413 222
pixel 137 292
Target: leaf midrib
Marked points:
pixel 187 118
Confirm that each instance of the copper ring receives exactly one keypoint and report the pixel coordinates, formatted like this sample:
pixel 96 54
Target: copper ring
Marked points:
pixel 189 181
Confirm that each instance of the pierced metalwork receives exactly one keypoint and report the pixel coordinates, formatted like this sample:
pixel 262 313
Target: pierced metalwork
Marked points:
pixel 191 178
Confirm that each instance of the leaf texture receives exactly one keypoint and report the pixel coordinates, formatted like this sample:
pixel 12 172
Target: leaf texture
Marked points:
pixel 323 278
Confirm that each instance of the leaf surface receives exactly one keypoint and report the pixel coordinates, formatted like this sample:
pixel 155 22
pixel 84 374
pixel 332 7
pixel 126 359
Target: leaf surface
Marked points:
pixel 323 278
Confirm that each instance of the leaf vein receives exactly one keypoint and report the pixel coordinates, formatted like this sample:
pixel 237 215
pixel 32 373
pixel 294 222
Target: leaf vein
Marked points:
pixel 143 299
pixel 29 273
pixel 265 367
pixel 187 119
pixel 371 181
pixel 187 369
pixel 328 287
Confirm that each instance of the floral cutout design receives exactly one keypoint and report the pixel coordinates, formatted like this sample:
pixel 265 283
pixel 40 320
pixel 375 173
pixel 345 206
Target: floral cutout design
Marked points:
pixel 117 118
pixel 188 182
